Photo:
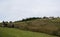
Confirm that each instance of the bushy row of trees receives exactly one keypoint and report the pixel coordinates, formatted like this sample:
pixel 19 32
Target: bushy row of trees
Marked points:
pixel 33 18
pixel 8 24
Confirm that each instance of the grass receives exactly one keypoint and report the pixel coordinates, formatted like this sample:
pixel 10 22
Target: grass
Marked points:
pixel 12 32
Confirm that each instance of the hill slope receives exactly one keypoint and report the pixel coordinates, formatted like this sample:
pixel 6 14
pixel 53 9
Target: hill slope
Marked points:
pixel 49 26
pixel 12 32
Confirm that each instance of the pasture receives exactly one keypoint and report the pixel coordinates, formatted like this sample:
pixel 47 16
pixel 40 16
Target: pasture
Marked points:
pixel 12 32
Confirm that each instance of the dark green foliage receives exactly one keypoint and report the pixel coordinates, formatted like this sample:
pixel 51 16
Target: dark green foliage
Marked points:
pixel 45 17
pixel 28 19
pixel 11 24
pixel 4 24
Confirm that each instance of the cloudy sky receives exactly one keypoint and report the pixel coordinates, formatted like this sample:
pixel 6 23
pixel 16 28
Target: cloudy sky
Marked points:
pixel 11 10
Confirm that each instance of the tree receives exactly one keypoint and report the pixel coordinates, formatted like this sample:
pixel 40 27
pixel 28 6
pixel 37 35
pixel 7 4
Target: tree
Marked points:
pixel 45 17
pixel 11 24
pixel 4 24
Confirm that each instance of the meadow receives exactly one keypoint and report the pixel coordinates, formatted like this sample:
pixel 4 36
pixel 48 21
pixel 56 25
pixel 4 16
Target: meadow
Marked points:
pixel 13 32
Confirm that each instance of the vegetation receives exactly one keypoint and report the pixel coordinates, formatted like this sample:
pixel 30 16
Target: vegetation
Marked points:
pixel 48 25
pixel 12 32
pixel 45 25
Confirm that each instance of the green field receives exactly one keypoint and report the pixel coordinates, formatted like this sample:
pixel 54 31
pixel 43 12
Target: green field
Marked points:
pixel 12 32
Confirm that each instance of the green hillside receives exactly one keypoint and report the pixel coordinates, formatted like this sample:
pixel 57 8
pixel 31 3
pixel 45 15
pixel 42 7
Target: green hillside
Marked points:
pixel 49 26
pixel 12 32
pixel 40 25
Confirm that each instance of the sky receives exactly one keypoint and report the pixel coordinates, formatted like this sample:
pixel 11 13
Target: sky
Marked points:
pixel 13 10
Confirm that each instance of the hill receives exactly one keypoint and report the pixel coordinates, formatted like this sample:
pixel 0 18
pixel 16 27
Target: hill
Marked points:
pixel 42 25
pixel 49 26
pixel 12 32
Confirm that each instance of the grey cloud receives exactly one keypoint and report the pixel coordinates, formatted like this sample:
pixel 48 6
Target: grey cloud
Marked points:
pixel 19 9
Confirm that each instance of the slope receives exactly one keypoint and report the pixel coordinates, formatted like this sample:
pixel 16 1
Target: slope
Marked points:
pixel 12 32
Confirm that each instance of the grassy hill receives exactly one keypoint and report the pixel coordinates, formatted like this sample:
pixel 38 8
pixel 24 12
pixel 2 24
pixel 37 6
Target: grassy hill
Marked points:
pixel 49 26
pixel 41 25
pixel 12 32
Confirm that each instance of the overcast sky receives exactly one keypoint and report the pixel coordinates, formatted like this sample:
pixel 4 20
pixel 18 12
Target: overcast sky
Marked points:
pixel 11 10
